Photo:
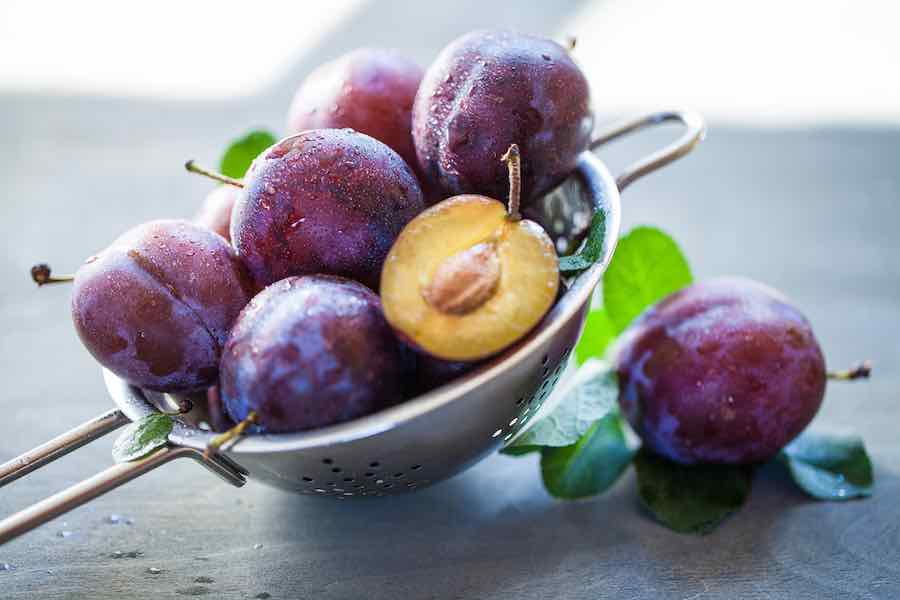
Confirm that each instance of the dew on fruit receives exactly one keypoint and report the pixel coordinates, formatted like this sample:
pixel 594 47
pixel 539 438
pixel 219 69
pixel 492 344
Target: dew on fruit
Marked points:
pixel 529 92
pixel 720 352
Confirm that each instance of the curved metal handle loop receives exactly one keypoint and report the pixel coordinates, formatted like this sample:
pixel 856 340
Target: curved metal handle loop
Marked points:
pixel 114 476
pixel 694 134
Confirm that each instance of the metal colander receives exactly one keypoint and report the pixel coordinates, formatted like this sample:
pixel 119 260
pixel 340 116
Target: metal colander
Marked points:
pixel 411 445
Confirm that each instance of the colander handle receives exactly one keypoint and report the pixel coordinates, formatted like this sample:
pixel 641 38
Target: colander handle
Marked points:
pixel 102 482
pixel 61 445
pixel 694 134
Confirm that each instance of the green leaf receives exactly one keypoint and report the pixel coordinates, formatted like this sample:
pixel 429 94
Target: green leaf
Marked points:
pixel 590 395
pixel 242 151
pixel 599 331
pixel 143 437
pixel 690 499
pixel 591 251
pixel 590 466
pixel 830 466
pixel 646 267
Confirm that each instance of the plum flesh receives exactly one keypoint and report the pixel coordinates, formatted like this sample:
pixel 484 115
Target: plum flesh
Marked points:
pixel 490 89
pixel 308 352
pixel 724 371
pixel 326 201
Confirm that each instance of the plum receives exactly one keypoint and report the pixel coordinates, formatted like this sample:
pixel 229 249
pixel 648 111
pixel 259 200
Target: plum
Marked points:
pixel 370 90
pixel 431 372
pixel 724 371
pixel 328 201
pixel 155 307
pixel 308 352
pixel 469 276
pixel 215 213
pixel 488 90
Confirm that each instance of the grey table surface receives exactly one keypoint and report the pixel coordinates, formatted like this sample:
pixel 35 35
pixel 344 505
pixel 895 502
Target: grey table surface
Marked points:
pixel 813 212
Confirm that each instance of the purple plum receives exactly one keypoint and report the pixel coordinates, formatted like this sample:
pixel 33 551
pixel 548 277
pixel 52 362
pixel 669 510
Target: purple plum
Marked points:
pixel 326 201
pixel 370 90
pixel 309 352
pixel 155 306
pixel 724 371
pixel 490 89
pixel 215 213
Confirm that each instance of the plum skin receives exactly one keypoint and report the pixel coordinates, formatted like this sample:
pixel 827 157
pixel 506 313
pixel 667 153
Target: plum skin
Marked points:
pixel 155 307
pixel 309 352
pixel 215 212
pixel 489 89
pixel 328 201
pixel 370 90
pixel 724 371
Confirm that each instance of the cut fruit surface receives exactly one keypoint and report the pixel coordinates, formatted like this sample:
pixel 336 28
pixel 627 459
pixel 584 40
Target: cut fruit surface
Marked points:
pixel 464 280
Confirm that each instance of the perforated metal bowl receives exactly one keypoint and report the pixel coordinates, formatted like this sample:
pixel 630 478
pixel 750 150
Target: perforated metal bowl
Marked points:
pixel 411 445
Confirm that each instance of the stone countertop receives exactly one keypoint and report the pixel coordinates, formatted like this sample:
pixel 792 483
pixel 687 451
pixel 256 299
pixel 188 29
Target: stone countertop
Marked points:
pixel 812 212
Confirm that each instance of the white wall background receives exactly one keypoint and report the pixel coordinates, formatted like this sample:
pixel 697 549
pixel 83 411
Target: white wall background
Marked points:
pixel 769 62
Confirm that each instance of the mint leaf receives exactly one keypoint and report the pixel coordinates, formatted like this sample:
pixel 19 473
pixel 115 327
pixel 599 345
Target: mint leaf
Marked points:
pixel 646 267
pixel 690 499
pixel 599 331
pixel 241 152
pixel 830 466
pixel 591 251
pixel 142 437
pixel 590 466
pixel 590 395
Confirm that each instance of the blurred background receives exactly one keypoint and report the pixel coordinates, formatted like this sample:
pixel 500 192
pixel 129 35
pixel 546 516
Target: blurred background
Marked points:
pixel 797 185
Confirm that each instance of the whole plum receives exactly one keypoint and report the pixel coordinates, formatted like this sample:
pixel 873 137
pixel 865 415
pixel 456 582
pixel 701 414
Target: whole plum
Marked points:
pixel 488 90
pixel 155 306
pixel 723 371
pixel 323 201
pixel 308 352
pixel 370 90
pixel 432 372
pixel 215 213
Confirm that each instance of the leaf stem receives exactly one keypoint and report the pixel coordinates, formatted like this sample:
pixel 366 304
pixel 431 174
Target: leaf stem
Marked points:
pixel 513 160
pixel 861 371
pixel 236 431
pixel 41 275
pixel 195 168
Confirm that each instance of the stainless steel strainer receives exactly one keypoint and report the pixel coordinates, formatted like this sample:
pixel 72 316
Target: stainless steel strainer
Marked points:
pixel 413 444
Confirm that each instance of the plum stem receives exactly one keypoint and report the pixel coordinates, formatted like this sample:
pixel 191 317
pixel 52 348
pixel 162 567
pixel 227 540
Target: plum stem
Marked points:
pixel 236 431
pixel 195 168
pixel 513 160
pixel 571 42
pixel 861 371
pixel 41 275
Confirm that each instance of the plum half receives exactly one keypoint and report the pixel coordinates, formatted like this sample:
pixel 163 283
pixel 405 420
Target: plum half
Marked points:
pixel 467 278
pixel 724 371
pixel 490 89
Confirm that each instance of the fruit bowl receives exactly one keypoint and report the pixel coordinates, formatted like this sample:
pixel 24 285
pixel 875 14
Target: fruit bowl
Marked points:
pixel 413 444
